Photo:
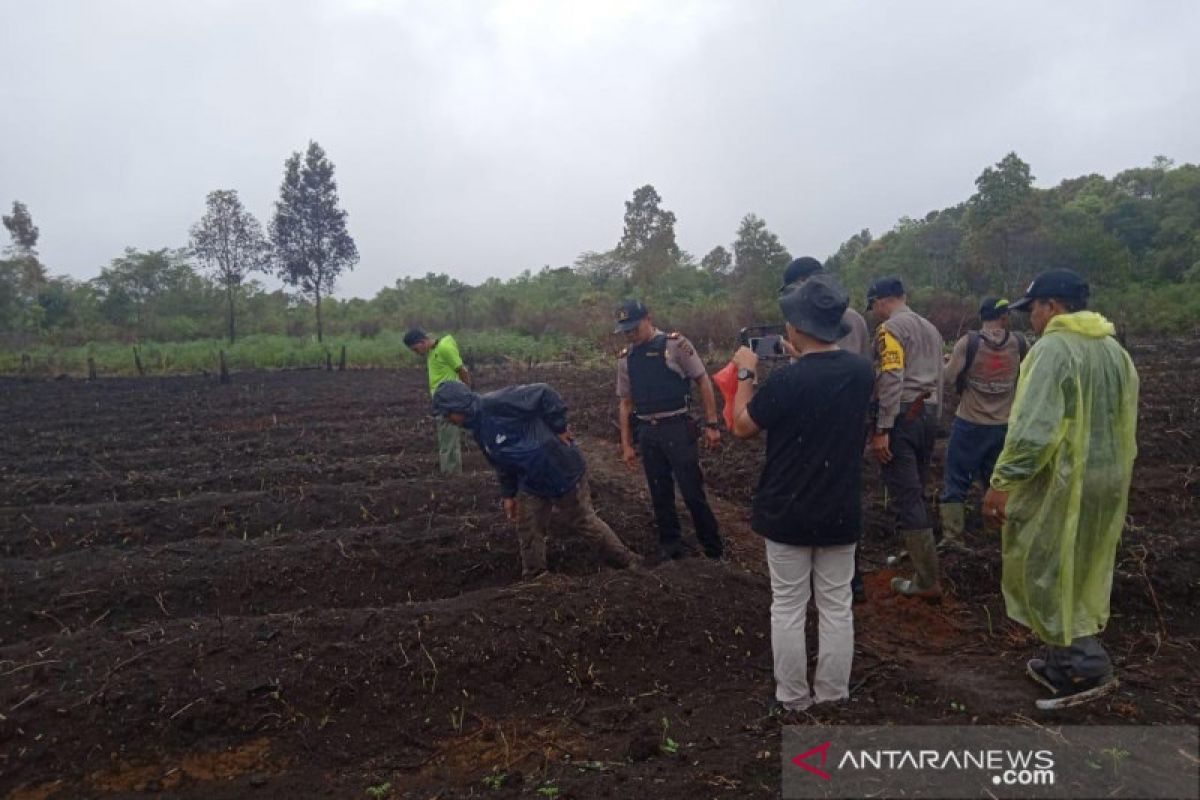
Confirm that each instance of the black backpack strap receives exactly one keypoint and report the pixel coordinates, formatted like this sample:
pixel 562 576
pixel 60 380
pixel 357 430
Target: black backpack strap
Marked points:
pixel 960 380
pixel 1022 345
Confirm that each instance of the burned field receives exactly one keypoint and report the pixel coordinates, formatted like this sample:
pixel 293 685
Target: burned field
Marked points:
pixel 266 589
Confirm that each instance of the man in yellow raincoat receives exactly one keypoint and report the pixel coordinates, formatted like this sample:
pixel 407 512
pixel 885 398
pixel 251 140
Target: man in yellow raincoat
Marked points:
pixel 1061 486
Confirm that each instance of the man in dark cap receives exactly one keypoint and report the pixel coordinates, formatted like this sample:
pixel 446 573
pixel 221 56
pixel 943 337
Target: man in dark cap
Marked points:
pixel 655 374
pixel 808 504
pixel 908 391
pixel 1061 486
pixel 858 339
pixel 445 364
pixel 983 370
pixel 523 432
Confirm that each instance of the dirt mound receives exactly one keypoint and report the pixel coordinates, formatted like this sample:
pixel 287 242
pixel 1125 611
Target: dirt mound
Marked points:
pixel 266 589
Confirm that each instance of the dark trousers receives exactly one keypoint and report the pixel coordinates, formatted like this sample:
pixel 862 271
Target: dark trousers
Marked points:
pixel 1084 658
pixel 970 456
pixel 906 475
pixel 670 456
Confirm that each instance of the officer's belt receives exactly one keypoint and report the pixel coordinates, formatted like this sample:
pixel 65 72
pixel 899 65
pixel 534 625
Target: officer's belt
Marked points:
pixel 662 416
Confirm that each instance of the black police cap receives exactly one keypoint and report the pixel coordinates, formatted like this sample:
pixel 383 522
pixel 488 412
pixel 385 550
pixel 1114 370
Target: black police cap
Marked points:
pixel 1063 283
pixel 890 286
pixel 629 314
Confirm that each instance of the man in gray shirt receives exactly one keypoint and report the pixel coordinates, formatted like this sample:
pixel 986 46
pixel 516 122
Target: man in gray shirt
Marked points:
pixel 983 370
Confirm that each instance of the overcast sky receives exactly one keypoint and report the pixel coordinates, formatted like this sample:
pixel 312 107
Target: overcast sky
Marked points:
pixel 483 138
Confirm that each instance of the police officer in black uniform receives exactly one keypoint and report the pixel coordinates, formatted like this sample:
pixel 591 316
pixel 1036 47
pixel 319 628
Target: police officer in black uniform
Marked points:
pixel 654 380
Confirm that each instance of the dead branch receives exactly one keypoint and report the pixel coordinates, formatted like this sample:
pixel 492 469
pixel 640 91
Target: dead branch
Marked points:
pixel 33 696
pixel 28 666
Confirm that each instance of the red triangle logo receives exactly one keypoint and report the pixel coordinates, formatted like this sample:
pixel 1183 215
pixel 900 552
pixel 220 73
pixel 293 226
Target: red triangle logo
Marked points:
pixel 801 761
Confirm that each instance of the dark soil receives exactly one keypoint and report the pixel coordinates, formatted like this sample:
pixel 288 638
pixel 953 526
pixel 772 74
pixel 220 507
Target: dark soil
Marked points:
pixel 266 589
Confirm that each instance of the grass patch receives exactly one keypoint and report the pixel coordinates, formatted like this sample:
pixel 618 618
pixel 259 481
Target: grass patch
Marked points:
pixel 270 351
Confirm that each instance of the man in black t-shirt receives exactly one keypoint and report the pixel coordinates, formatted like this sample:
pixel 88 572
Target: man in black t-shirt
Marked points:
pixel 808 505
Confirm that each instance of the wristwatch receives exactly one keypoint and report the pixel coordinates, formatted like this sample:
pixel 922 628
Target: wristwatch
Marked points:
pixel 745 374
pixel 716 426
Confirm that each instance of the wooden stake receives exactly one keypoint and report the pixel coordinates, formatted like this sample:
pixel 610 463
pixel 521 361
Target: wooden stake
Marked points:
pixel 137 362
pixel 328 361
pixel 342 361
pixel 91 368
pixel 224 369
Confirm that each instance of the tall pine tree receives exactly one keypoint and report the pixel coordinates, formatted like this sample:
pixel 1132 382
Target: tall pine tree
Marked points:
pixel 312 245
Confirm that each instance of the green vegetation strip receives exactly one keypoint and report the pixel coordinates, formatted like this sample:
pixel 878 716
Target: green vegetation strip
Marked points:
pixel 265 351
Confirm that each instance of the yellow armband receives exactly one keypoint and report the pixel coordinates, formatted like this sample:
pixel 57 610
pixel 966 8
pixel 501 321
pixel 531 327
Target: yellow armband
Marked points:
pixel 891 352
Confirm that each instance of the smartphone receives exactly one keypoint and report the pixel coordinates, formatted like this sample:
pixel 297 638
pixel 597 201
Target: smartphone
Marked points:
pixel 765 340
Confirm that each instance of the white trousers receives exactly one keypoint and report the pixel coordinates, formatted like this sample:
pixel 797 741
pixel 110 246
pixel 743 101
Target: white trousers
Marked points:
pixel 798 573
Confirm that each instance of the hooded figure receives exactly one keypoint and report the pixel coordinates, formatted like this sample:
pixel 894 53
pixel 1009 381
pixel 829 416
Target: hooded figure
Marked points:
pixel 1067 464
pixel 1061 487
pixel 518 429
pixel 522 431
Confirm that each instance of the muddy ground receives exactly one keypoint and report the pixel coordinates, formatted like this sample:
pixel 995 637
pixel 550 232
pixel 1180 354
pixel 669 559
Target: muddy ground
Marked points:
pixel 265 589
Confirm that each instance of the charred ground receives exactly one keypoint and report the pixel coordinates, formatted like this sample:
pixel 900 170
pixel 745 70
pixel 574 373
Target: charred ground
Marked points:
pixel 266 589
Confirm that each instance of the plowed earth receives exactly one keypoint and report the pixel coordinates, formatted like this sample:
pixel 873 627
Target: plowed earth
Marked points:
pixel 265 589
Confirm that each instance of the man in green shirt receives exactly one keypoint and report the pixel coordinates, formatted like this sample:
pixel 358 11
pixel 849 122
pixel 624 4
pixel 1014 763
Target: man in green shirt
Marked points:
pixel 445 364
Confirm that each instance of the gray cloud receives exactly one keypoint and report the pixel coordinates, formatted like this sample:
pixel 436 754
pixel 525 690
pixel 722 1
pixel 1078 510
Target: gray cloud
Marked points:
pixel 483 138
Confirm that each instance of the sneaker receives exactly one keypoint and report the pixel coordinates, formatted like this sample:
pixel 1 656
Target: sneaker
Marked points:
pixel 1079 691
pixel 777 709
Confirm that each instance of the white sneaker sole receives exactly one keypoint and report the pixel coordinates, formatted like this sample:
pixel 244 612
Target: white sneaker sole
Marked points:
pixel 1057 703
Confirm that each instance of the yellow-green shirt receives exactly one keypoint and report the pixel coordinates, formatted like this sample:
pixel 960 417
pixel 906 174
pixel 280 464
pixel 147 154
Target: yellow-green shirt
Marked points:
pixel 444 362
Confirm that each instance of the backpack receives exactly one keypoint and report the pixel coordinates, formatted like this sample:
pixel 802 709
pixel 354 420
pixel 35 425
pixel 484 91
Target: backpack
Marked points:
pixel 973 340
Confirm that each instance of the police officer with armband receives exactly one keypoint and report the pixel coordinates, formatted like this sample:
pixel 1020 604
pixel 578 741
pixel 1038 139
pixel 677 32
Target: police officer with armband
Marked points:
pixel 655 374
pixel 908 391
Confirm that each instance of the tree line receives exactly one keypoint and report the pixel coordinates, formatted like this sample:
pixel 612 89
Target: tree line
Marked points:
pixel 1138 231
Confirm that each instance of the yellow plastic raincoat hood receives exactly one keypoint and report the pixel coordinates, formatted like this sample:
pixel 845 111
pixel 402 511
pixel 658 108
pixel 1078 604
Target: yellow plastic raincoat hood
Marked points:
pixel 1067 463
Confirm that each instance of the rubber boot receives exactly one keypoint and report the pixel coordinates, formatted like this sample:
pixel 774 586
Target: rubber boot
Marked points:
pixel 923 552
pixel 953 519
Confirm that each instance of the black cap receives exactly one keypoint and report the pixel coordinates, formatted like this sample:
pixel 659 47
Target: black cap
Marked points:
pixel 414 335
pixel 629 314
pixel 993 308
pixel 1064 283
pixel 801 269
pixel 890 286
pixel 816 307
